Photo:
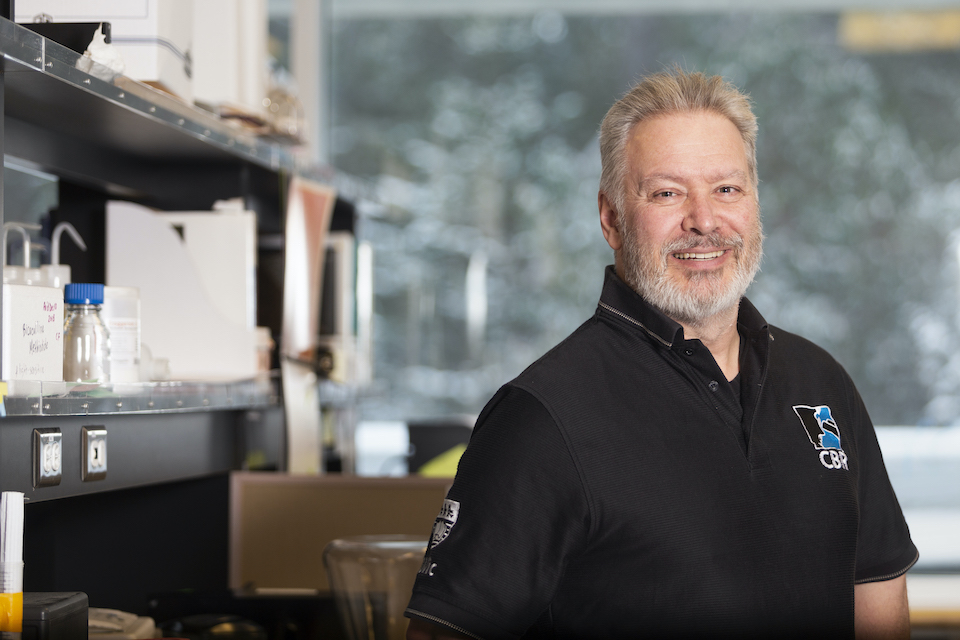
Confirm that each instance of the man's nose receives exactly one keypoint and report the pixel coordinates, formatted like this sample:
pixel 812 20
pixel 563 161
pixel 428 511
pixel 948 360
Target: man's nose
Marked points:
pixel 700 217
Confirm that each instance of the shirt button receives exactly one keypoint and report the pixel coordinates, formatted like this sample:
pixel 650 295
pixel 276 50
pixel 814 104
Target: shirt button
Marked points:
pixel 688 352
pixel 714 385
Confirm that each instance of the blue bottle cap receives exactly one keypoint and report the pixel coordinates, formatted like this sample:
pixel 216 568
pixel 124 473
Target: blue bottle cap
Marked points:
pixel 83 293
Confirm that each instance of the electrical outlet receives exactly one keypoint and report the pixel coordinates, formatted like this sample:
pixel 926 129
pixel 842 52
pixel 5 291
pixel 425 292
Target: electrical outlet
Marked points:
pixel 47 457
pixel 93 443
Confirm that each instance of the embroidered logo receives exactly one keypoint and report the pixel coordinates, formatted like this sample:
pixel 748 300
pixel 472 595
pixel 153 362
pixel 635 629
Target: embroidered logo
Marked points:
pixel 445 521
pixel 449 513
pixel 824 434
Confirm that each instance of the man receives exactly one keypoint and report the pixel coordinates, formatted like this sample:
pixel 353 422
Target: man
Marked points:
pixel 676 467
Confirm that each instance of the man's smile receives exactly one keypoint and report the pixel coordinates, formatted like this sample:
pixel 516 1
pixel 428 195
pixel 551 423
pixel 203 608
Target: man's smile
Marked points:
pixel 699 256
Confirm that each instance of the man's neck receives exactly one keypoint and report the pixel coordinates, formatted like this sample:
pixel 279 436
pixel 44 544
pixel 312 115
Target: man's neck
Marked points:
pixel 719 334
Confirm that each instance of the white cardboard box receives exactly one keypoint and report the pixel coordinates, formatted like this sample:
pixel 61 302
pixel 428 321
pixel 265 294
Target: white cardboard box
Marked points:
pixel 223 248
pixel 230 52
pixel 154 37
pixel 178 320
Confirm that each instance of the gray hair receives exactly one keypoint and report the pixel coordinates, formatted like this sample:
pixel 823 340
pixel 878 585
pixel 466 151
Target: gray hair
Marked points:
pixel 662 94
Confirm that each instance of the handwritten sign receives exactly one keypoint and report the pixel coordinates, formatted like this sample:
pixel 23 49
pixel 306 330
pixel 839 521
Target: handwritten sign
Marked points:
pixel 32 333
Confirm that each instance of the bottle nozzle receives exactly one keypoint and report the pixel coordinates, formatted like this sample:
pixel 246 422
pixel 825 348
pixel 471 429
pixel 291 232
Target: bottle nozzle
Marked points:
pixel 55 240
pixel 22 228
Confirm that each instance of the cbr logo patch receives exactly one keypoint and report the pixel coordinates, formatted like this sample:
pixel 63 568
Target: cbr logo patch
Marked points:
pixel 445 521
pixel 824 434
pixel 449 513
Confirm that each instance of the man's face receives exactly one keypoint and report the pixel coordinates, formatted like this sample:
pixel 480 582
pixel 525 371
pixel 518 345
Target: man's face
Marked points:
pixel 689 238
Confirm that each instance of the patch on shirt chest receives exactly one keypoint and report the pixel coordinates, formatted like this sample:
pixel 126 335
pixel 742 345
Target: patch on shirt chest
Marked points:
pixel 824 434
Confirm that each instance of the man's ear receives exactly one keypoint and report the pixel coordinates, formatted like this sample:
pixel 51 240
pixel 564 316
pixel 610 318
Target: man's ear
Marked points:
pixel 609 221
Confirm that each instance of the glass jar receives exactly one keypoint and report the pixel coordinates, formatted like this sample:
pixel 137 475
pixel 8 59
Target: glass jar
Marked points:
pixel 86 341
pixel 372 578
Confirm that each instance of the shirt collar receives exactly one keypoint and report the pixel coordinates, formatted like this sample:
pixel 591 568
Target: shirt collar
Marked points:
pixel 749 320
pixel 619 299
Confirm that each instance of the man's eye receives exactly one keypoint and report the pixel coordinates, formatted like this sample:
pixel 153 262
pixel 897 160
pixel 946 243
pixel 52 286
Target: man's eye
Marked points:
pixel 665 194
pixel 729 190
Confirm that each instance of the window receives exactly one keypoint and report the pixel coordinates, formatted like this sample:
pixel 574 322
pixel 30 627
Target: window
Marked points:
pixel 477 135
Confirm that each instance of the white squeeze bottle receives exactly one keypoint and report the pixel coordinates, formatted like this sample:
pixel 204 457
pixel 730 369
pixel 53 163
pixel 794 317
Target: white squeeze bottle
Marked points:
pixel 86 341
pixel 56 274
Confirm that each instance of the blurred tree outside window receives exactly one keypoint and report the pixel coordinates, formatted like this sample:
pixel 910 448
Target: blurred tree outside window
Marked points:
pixel 478 136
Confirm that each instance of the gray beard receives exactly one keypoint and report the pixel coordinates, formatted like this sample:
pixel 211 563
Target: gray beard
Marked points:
pixel 647 274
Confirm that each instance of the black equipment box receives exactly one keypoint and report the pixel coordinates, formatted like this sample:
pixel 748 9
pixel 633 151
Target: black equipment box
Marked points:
pixel 55 616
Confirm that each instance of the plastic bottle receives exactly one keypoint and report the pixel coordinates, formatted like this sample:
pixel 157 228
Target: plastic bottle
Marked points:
pixel 56 274
pixel 86 341
pixel 14 274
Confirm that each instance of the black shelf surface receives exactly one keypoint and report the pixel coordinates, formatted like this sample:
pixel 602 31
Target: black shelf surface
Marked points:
pixel 156 433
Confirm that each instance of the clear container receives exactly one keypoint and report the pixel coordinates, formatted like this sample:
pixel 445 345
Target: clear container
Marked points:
pixel 121 316
pixel 86 341
pixel 372 580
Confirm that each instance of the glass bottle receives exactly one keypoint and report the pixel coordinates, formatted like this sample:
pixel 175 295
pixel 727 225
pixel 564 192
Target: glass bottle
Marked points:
pixel 86 341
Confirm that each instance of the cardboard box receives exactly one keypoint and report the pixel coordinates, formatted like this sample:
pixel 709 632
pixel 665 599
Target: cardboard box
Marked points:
pixel 280 524
pixel 155 37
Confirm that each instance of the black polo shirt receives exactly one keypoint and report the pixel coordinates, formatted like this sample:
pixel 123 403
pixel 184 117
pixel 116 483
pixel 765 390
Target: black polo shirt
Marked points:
pixel 619 488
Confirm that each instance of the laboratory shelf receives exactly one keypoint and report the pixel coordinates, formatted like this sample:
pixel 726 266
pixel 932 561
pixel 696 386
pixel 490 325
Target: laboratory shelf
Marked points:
pixel 110 135
pixel 76 119
pixel 162 505
pixel 29 398
pixel 156 432
pixel 142 449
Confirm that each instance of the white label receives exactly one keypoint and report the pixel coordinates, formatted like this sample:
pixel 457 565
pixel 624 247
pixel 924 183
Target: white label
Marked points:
pixel 11 578
pixel 124 340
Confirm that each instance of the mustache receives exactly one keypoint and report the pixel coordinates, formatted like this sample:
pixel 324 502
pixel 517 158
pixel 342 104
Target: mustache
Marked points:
pixel 697 241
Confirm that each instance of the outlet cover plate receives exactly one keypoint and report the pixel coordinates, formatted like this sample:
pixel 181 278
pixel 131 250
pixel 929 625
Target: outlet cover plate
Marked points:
pixel 47 457
pixel 93 444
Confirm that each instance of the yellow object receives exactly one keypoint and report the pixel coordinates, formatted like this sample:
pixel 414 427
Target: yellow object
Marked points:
pixel 882 31
pixel 11 612
pixel 444 465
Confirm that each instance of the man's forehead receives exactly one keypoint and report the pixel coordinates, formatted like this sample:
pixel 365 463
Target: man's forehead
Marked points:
pixel 685 145
pixel 680 122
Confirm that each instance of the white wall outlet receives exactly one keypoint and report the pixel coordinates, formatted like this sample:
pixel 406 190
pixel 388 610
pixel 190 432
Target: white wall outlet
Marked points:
pixel 93 444
pixel 47 457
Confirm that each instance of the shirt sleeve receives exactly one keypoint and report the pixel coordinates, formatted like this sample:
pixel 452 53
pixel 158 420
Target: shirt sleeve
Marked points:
pixel 516 511
pixel 884 548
